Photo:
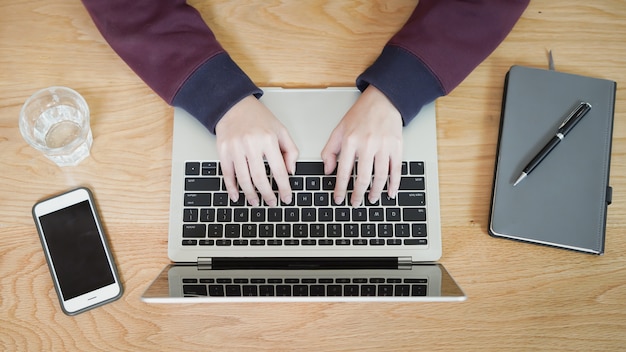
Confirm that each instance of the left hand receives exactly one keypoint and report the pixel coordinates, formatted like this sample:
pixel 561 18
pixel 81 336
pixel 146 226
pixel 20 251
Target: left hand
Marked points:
pixel 371 131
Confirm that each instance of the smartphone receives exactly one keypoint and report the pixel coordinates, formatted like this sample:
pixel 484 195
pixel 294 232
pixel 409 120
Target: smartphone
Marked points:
pixel 74 243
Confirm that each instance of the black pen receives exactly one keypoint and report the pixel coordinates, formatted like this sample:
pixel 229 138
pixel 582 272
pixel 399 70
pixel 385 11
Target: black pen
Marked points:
pixel 570 121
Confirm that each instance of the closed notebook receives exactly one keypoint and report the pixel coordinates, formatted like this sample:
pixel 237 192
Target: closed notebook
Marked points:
pixel 563 202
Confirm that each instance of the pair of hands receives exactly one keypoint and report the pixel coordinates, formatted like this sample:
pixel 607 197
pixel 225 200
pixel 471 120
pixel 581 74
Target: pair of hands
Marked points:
pixel 371 131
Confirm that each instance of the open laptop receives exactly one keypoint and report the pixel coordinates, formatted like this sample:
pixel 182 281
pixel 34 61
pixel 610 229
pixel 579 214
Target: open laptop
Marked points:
pixel 312 249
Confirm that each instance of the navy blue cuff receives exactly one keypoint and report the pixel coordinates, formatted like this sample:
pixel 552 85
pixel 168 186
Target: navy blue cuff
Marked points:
pixel 213 89
pixel 404 79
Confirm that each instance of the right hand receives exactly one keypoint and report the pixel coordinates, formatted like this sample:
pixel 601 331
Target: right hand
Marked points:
pixel 246 135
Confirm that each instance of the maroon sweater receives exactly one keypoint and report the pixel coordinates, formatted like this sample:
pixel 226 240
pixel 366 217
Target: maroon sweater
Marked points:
pixel 173 50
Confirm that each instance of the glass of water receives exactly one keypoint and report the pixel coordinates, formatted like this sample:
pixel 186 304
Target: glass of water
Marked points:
pixel 55 121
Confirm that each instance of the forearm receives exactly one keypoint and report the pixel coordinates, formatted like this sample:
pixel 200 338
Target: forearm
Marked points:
pixel 440 45
pixel 168 45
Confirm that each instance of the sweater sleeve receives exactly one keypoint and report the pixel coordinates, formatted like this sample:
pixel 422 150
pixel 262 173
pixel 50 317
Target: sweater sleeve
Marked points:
pixel 440 45
pixel 168 45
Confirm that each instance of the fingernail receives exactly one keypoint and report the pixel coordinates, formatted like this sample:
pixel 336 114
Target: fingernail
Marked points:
pixel 338 200
pixel 272 203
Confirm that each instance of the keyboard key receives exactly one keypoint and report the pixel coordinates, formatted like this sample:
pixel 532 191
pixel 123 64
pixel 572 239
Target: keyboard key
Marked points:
pixel 368 230
pixel 402 290
pixel 414 214
pixel 190 215
pixel 292 242
pixel 351 290
pixel 300 290
pixel 411 198
pixel 216 290
pixel 202 184
pixel 224 215
pixel 194 231
pixel 197 199
pixel 342 214
pixel 310 168
pixel 248 230
pixel 334 290
pixel 412 183
pixel 419 230
pixel 312 183
pixel 333 230
pixel 195 290
pixel 209 168
pixel 257 215
pixel 328 183
pixel 192 168
pixel 304 199
pixel 318 290
pixel 233 290
pixel 325 214
pixel 419 290
pixel 266 230
pixel 297 183
pixel 207 215
pixel 368 290
pixel 359 214
pixel 250 290
pixel 321 199
pixel 309 214
pixel 240 215
pixel 220 199
pixel 215 230
pixel 266 290
pixel 283 230
pixel 416 167
pixel 416 242
pixel 283 290
pixel 300 230
pixel 275 215
pixel 351 230
pixel 385 290
pixel 376 214
pixel 393 214
pixel 402 230
pixel 292 214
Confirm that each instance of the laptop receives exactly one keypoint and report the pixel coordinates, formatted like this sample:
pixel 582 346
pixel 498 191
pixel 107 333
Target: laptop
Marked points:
pixel 312 249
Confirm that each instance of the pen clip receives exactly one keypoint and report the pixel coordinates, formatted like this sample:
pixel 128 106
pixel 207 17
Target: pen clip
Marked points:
pixel 574 112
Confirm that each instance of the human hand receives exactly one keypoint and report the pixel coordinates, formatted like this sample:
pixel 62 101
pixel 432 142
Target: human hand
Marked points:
pixel 371 131
pixel 246 135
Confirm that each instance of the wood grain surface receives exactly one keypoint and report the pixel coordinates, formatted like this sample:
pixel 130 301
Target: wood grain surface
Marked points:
pixel 521 297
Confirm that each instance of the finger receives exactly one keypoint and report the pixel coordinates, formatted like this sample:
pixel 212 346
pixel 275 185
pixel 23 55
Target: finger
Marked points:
pixel 289 150
pixel 363 179
pixel 344 173
pixel 381 173
pixel 281 177
pixel 395 174
pixel 245 182
pixel 230 181
pixel 330 153
pixel 259 177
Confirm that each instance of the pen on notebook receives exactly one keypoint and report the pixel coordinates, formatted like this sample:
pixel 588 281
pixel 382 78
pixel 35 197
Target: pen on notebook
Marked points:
pixel 570 121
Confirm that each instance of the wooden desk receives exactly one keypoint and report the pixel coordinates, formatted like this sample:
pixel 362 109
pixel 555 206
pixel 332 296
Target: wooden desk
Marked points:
pixel 521 296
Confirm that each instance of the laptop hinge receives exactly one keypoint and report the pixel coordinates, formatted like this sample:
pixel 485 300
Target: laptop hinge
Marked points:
pixel 205 263
pixel 405 262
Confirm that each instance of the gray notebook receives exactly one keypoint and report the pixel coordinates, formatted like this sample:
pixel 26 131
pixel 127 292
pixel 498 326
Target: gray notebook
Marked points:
pixel 563 202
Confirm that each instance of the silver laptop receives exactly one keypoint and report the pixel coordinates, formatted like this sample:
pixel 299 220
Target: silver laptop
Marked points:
pixel 312 249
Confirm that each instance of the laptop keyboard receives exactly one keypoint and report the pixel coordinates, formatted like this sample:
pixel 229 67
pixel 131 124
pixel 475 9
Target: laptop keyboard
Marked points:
pixel 311 287
pixel 312 219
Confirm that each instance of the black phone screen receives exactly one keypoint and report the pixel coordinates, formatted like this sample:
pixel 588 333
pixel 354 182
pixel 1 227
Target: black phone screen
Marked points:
pixel 76 250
